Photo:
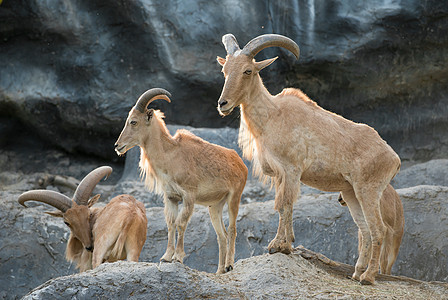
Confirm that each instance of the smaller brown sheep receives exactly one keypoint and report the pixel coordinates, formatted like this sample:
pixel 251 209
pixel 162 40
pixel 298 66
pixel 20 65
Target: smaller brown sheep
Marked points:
pixel 97 234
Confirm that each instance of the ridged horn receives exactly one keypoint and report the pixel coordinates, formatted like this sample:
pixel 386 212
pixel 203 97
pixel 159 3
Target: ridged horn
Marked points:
pixel 86 186
pixel 55 199
pixel 270 40
pixel 230 43
pixel 149 96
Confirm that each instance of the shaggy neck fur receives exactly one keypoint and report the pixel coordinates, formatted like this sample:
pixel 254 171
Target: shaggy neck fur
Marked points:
pixel 155 145
pixel 255 113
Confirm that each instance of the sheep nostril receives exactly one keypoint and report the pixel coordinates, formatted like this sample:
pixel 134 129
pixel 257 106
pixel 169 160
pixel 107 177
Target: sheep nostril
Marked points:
pixel 90 248
pixel 115 146
pixel 222 103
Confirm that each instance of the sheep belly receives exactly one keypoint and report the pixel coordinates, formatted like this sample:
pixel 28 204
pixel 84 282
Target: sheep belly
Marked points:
pixel 317 177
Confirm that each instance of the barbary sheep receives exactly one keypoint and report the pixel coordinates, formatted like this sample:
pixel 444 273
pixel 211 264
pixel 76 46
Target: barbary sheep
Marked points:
pixel 291 139
pixel 114 232
pixel 185 168
pixel 392 214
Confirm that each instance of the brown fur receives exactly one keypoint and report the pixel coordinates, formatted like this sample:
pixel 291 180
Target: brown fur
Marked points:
pixel 189 169
pixel 291 139
pixel 118 231
pixel 392 214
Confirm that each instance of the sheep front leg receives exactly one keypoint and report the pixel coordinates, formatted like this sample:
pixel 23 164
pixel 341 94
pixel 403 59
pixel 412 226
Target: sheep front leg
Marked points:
pixel 233 205
pixel 181 225
pixel 215 212
pixel 287 191
pixel 85 261
pixel 170 211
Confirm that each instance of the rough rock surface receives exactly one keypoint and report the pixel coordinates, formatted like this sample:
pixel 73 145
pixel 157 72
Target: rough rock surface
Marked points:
pixel 33 243
pixel 275 276
pixel 72 69
pixel 433 172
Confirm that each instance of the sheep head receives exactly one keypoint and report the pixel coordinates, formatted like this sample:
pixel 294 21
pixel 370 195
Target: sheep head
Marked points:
pixel 241 71
pixel 76 211
pixel 139 120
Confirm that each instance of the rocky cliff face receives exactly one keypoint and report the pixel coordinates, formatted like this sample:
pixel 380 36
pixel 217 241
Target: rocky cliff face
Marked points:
pixel 71 70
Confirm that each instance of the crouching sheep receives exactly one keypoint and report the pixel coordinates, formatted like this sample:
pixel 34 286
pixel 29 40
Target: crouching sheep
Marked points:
pixel 97 234
pixel 185 168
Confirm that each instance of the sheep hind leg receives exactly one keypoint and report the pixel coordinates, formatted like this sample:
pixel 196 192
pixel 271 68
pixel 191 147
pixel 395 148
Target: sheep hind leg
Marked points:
pixel 384 255
pixel 364 239
pixel 133 246
pixel 389 252
pixel 369 199
pixel 170 211
pixel 215 212
pixel 287 191
pixel 231 238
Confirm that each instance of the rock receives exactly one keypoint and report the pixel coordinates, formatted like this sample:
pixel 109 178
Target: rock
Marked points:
pixel 433 172
pixel 276 276
pixel 36 241
pixel 32 248
pixel 382 63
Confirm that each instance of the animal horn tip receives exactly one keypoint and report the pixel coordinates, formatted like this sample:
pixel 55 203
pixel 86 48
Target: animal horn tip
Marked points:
pixel 109 171
pixel 227 35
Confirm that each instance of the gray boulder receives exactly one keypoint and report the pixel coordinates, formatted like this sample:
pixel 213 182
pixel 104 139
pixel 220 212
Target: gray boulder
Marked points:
pixel 433 172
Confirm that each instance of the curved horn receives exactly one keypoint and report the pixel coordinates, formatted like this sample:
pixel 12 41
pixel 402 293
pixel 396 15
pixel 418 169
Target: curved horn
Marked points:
pixel 230 43
pixel 55 199
pixel 270 40
pixel 151 95
pixel 86 186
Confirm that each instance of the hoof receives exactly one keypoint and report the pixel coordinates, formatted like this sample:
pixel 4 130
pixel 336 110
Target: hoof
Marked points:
pixel 277 250
pixel 229 268
pixel 366 282
pixel 164 260
pixel 274 250
pixel 179 257
pixel 279 246
pixel 286 250
pixel 356 277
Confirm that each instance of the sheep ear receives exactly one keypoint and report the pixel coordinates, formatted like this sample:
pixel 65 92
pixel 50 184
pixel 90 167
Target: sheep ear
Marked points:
pixel 149 114
pixel 221 60
pixel 56 213
pixel 260 65
pixel 93 200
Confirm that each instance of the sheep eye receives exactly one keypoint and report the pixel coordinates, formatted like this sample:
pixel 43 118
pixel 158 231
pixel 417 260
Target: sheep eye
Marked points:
pixel 66 223
pixel 133 122
pixel 248 72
